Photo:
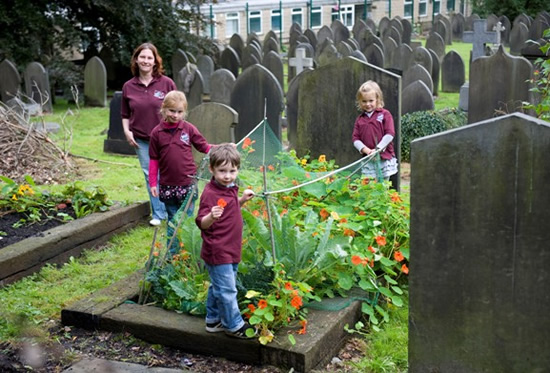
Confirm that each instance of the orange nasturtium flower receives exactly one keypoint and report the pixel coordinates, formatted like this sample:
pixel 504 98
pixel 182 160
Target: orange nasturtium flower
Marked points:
pixel 304 324
pixel 222 203
pixel 395 197
pixel 296 302
pixel 247 142
pixel 262 304
pixel 324 213
pixel 271 168
pixel 356 260
pixel 285 211
pixel 365 181
pixel 256 213
pixel 362 213
pixel 343 220
pixel 372 249
pixel 405 269
pixel 349 232
pixel 398 256
pixel 261 168
pixel 288 286
pixel 322 158
pixel 251 307
pixel 155 253
pixel 380 240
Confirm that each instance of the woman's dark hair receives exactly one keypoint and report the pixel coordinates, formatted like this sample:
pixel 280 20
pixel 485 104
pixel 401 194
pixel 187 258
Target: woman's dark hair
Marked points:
pixel 158 69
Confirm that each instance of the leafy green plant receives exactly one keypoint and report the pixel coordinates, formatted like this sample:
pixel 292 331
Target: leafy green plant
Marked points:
pixel 424 123
pixel 541 83
pixel 86 200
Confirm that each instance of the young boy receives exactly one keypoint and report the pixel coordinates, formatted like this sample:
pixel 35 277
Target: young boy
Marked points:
pixel 221 224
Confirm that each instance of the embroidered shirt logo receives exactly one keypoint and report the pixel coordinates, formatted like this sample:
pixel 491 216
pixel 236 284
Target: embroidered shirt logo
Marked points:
pixel 184 138
pixel 380 118
pixel 159 94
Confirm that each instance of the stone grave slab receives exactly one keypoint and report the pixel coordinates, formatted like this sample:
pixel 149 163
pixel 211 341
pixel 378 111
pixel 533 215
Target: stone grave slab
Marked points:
pixel 417 97
pixel 479 248
pixel 109 310
pixel 58 244
pixel 479 37
pixel 37 85
pixel 453 72
pixel 10 80
pixel 222 82
pixel 116 140
pixel 205 64
pixel 95 83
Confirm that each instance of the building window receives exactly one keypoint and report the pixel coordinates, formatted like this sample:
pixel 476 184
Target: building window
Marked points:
pixel 346 14
pixel 231 24
pixel 255 22
pixel 276 20
pixel 316 17
pixel 297 16
pixel 451 5
pixel 408 8
pixel 437 6
pixel 209 29
pixel 422 8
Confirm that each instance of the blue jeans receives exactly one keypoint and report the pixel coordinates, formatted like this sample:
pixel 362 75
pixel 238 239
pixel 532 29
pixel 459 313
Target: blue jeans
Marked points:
pixel 157 207
pixel 171 210
pixel 221 303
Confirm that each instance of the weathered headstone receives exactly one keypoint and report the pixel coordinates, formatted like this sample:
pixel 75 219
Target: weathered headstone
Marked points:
pixel 344 49
pixel 230 60
pixel 292 54
pixel 222 82
pixel 292 107
pixel 116 140
pixel 179 60
pixel 328 55
pixel 311 37
pixel 539 24
pixel 417 97
pixel 384 26
pixel 469 25
pixel 498 83
pixel 196 90
pixel 518 36
pixel 479 37
pixel 441 29
pixel 340 31
pixel 251 56
pixel 417 72
pixel 216 122
pixel 37 85
pixel 95 83
pixel 436 43
pixel 435 71
pixel 316 134
pixel 274 63
pixel 401 58
pixel 375 55
pixel 257 95
pixel 457 26
pixel 448 27
pixel 237 43
pixel 205 64
pixel 506 29
pixel 463 97
pixel 358 26
pixel 479 260
pixel 300 61
pixel 406 35
pixel 453 72
pixel 270 44
pixel 324 33
pixel 10 80
pixel 423 57
pixel 390 45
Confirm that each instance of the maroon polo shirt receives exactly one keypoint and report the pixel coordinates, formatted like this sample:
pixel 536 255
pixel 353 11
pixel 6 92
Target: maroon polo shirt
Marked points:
pixel 371 130
pixel 141 104
pixel 222 241
pixel 172 148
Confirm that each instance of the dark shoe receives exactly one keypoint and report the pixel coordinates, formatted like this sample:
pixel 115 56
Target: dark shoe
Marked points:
pixel 214 327
pixel 241 333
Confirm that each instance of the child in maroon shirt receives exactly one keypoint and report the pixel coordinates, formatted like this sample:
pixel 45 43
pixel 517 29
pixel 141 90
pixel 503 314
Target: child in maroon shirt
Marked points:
pixel 171 154
pixel 221 224
pixel 374 130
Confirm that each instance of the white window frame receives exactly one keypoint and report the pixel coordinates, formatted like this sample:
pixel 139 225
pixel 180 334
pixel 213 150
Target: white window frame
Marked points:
pixel 347 13
pixel 277 13
pixel 232 17
pixel 317 10
pixel 254 15
pixel 298 12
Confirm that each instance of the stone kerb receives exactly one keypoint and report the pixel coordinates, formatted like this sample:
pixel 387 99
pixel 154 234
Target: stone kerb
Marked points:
pixel 479 248
pixel 109 310
pixel 57 245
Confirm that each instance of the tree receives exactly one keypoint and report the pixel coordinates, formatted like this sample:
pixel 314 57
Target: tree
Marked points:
pixel 509 8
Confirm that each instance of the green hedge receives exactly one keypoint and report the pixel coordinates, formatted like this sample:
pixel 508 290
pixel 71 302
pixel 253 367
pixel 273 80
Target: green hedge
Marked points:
pixel 424 123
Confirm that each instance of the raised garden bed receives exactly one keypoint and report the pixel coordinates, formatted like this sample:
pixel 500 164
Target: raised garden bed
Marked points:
pixel 58 244
pixel 112 309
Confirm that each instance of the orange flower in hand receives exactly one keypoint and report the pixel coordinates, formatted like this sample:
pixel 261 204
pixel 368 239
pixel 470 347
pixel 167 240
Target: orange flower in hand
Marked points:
pixel 222 203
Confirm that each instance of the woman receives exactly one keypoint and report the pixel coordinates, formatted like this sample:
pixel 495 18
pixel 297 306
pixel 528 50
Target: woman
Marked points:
pixel 142 97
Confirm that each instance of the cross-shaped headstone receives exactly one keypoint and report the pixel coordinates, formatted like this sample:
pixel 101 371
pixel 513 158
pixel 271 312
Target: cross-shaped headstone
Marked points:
pixel 499 27
pixel 479 37
pixel 300 61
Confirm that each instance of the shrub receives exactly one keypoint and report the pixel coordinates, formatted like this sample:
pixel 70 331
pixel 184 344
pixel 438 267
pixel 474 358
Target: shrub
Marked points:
pixel 424 123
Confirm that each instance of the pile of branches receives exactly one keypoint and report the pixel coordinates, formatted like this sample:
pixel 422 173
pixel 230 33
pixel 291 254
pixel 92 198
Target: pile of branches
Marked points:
pixel 24 150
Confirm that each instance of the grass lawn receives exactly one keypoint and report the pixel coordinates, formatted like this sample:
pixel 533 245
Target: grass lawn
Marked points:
pixel 29 305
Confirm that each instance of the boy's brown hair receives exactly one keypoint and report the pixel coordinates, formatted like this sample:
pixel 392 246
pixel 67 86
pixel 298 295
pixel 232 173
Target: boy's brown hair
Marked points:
pixel 224 153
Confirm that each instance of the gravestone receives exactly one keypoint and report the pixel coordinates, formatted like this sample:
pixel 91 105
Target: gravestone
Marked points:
pixel 274 63
pixel 436 43
pixel 507 28
pixel 270 44
pixel 37 85
pixel 423 57
pixel 417 97
pixel 230 60
pixel 390 45
pixel 179 60
pixel 326 129
pixel 292 54
pixel 344 49
pixel 469 25
pixel 523 18
pixel 384 27
pixel 222 82
pixel 394 34
pixel 406 35
pixel 10 80
pixel 324 33
pixel 205 64
pixel 95 83
pixel 518 38
pixel 501 81
pixel 292 107
pixel 358 26
pixel 479 248
pixel 340 31
pixel 216 122
pixel 492 21
pixel 453 72
pixel 441 28
pixel 463 97
pixel 196 90
pixel 435 71
pixel 375 55
pixel 401 58
pixel 479 37
pixel 294 35
pixel 311 37
pixel 448 27
pixel 116 140
pixel 257 95
pixel 251 56
pixel 417 72
pixel 359 55
pixel 328 55
pixel 539 24
pixel 237 43
pixel 300 61
pixel 367 38
pixel 372 26
pixel 457 26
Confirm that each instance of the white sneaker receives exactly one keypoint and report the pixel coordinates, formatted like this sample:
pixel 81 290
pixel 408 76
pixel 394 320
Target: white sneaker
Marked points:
pixel 154 222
